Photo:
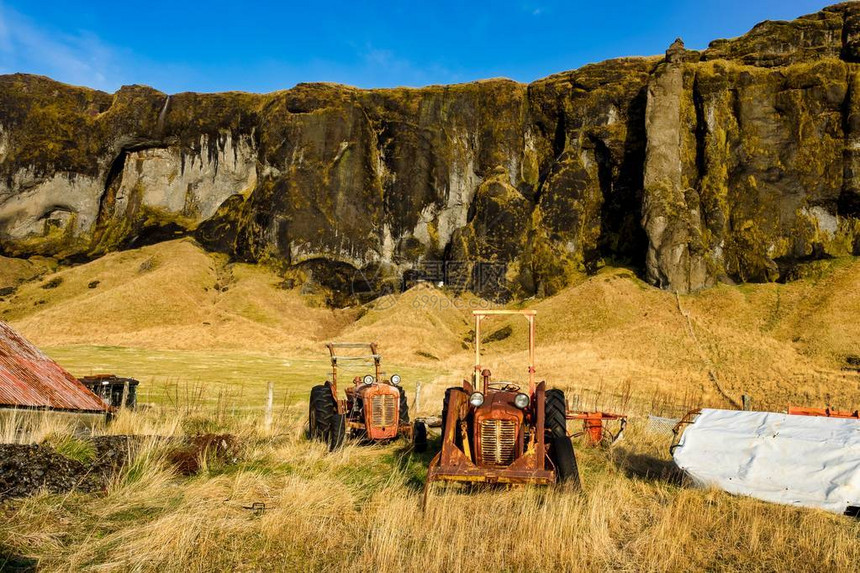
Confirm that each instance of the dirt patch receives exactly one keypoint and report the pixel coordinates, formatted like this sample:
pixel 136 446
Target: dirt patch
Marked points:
pixel 215 449
pixel 27 469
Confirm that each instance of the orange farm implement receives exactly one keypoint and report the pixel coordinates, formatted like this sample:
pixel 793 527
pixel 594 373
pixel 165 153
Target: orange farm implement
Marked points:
pixel 827 412
pixel 595 427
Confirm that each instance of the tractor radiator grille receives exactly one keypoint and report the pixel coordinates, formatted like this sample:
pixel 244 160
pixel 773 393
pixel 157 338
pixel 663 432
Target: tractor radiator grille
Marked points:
pixel 498 442
pixel 383 410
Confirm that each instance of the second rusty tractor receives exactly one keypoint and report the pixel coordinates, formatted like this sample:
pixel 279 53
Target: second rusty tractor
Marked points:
pixel 375 408
pixel 504 432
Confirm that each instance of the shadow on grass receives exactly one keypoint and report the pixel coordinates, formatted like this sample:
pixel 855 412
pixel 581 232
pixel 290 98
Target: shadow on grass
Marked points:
pixel 9 561
pixel 647 467
pixel 414 464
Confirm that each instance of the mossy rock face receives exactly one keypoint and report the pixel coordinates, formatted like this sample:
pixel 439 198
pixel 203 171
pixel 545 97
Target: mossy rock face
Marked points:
pixel 738 163
pixel 484 252
pixel 764 172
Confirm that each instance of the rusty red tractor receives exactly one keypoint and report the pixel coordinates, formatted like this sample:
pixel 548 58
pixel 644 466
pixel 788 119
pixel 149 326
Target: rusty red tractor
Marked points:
pixel 504 432
pixel 375 408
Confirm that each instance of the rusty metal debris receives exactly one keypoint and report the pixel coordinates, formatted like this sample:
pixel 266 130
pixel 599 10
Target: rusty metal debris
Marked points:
pixel 258 507
pixel 114 391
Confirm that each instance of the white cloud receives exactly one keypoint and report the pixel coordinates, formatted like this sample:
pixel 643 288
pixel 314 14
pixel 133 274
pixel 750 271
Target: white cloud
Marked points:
pixel 381 67
pixel 534 9
pixel 80 58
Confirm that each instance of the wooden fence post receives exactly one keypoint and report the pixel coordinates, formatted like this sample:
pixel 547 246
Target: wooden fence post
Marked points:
pixel 269 402
pixel 124 398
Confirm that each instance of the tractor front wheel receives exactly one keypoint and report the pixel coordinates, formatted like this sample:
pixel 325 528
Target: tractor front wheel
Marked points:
pixel 404 407
pixel 338 432
pixel 322 411
pixel 419 437
pixel 561 448
pixel 561 453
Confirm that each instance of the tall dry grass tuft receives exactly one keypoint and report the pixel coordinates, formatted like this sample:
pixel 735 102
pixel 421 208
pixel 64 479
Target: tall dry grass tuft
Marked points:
pixel 33 426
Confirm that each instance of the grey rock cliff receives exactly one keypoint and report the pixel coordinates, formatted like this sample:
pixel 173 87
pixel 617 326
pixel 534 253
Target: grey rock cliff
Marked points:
pixel 738 162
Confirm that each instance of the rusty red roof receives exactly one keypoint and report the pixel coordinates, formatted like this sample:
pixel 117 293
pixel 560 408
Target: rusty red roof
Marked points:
pixel 29 379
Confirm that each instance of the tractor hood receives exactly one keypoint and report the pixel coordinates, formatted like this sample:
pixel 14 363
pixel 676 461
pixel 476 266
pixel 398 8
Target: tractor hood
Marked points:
pixel 498 435
pixel 381 410
pixel 499 404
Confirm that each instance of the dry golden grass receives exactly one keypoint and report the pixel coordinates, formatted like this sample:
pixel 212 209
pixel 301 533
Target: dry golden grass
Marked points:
pixel 13 272
pixel 359 509
pixel 423 324
pixel 605 335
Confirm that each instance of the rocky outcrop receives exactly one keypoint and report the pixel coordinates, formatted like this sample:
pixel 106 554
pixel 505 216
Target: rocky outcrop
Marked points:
pixel 671 209
pixel 735 163
pixel 760 176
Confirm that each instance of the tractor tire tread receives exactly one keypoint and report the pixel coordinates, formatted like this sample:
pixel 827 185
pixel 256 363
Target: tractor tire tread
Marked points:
pixel 322 411
pixel 403 411
pixel 555 412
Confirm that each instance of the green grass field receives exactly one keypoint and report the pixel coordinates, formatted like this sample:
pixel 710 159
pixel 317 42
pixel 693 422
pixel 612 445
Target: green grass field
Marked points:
pixel 201 378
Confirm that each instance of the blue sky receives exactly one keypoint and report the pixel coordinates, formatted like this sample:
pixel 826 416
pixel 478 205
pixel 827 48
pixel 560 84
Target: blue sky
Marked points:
pixel 264 46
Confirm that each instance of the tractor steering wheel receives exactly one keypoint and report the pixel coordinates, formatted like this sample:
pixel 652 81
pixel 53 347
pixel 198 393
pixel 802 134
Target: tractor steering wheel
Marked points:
pixel 503 386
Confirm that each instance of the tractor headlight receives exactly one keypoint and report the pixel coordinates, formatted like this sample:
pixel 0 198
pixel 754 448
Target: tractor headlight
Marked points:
pixel 395 379
pixel 368 379
pixel 521 401
pixel 476 399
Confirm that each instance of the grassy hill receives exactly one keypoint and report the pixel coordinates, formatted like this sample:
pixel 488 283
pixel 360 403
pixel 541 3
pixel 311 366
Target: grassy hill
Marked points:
pixel 607 339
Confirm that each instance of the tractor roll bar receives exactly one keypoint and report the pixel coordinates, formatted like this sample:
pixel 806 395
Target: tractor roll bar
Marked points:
pixel 373 355
pixel 530 317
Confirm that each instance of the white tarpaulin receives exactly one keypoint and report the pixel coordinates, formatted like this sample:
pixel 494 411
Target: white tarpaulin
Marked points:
pixel 810 461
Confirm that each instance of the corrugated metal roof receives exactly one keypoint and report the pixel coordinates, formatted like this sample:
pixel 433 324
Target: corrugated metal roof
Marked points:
pixel 30 379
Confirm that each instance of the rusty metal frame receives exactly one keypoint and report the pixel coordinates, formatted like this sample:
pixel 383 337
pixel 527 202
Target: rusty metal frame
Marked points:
pixel 593 425
pixel 686 420
pixel 374 355
pixel 453 463
pixel 825 412
pixel 333 346
pixel 480 315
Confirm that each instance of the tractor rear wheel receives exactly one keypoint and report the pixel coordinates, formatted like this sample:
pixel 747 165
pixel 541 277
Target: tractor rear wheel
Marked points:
pixel 419 437
pixel 321 412
pixel 338 432
pixel 404 407
pixel 555 413
pixel 457 438
pixel 560 447
pixel 561 453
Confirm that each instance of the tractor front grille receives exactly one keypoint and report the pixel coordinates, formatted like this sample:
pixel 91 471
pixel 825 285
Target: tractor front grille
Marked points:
pixel 383 410
pixel 498 442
